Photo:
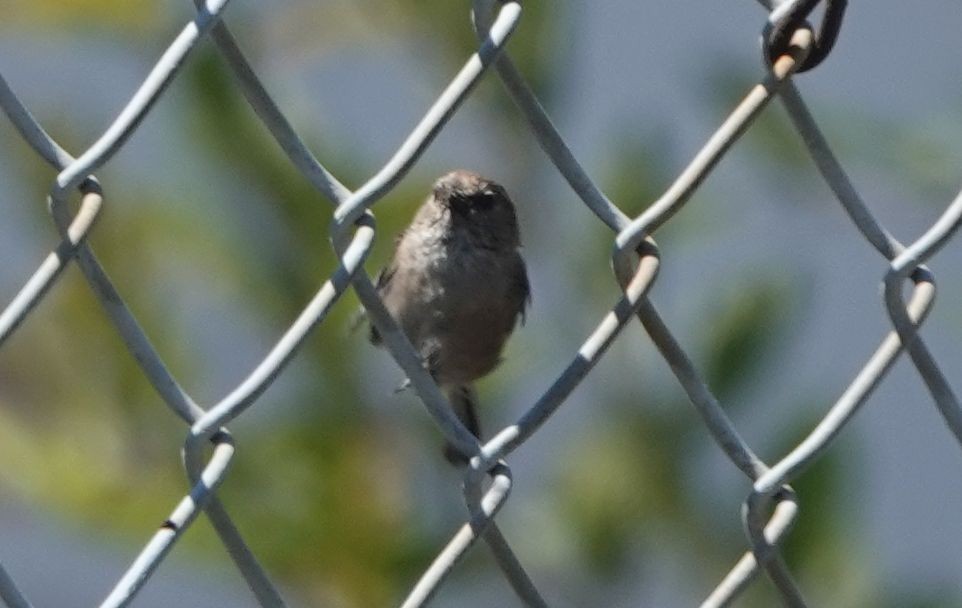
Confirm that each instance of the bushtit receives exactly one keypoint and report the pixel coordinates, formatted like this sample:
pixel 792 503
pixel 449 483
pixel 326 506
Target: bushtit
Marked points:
pixel 457 285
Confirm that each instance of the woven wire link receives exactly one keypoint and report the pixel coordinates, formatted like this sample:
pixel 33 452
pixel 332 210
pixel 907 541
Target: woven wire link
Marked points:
pixel 771 507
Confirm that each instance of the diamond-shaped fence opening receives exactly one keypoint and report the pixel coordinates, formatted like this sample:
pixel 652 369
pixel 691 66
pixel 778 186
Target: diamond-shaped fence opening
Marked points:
pixel 77 199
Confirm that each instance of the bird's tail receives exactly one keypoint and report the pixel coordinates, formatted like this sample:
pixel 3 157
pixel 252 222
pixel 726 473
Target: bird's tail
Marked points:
pixel 463 401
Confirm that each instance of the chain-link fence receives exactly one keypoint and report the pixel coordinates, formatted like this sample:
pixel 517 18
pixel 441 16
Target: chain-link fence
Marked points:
pixel 770 509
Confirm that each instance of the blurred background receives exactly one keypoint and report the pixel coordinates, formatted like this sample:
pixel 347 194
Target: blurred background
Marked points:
pixel 622 499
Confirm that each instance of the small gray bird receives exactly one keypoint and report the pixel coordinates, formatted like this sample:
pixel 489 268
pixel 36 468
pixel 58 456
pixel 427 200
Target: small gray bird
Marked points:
pixel 457 285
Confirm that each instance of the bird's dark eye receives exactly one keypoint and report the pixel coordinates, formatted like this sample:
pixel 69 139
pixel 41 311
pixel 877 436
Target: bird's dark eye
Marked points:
pixel 485 198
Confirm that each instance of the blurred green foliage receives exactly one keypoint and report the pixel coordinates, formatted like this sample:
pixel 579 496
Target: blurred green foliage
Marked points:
pixel 746 327
pixel 113 17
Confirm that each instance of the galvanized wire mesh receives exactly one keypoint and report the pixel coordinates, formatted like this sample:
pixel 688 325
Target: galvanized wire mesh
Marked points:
pixel 770 509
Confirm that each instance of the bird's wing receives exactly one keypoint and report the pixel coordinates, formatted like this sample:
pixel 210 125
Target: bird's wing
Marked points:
pixel 382 283
pixel 383 279
pixel 521 288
